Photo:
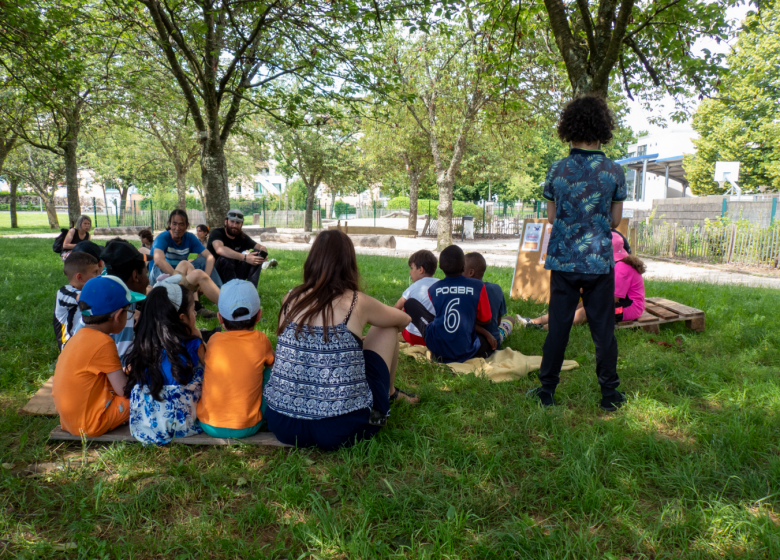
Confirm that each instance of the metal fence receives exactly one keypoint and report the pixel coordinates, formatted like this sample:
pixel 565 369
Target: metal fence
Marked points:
pixel 489 226
pixel 729 244
pixel 157 218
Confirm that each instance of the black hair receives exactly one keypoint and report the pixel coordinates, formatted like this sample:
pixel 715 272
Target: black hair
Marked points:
pixel 586 119
pixel 78 262
pixel 146 234
pixel 95 319
pixel 477 262
pixel 244 325
pixel 160 328
pixel 179 212
pixel 424 259
pixel 203 227
pixel 452 261
pixel 125 270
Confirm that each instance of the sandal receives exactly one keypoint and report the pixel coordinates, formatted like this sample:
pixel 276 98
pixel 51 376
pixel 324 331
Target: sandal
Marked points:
pixel 397 394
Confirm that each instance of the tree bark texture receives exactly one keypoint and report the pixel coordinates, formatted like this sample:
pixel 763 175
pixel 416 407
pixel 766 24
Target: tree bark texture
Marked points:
pixel 51 212
pixel 14 185
pixel 308 222
pixel 6 145
pixel 123 190
pixel 589 62
pixel 213 168
pixel 72 180
pixel 181 187
pixel 414 173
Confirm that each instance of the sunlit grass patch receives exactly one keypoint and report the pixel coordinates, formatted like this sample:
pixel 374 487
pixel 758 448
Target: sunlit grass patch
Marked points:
pixel 688 469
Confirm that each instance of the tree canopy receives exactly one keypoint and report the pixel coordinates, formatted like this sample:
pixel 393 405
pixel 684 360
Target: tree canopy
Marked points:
pixel 743 123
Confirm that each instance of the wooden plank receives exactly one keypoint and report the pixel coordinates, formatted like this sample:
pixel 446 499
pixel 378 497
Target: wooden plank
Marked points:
pixel 660 311
pixel 679 308
pixel 122 433
pixel 42 402
pixel 646 317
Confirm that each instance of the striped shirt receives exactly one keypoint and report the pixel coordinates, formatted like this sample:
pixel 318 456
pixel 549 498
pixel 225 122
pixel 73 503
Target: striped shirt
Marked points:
pixel 67 316
pixel 124 339
pixel 177 252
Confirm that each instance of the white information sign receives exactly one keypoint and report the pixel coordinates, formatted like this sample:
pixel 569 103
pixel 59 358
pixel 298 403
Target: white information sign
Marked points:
pixel 532 240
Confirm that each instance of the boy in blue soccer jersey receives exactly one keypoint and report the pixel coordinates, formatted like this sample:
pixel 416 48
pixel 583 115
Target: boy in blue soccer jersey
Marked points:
pixel 460 303
pixel 585 193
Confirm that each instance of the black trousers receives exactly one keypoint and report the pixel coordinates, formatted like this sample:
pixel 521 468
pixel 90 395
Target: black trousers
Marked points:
pixel 421 317
pixel 230 269
pixel 598 298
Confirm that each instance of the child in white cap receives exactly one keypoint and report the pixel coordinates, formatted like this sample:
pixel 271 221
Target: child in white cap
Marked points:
pixel 237 366
pixel 165 366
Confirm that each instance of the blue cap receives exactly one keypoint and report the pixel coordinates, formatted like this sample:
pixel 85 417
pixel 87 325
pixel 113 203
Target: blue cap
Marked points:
pixel 236 294
pixel 106 294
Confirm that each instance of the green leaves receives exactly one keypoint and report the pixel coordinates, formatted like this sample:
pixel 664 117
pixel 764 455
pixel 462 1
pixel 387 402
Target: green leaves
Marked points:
pixel 743 122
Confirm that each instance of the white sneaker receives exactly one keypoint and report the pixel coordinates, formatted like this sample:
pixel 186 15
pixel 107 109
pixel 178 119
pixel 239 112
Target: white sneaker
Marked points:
pixel 270 264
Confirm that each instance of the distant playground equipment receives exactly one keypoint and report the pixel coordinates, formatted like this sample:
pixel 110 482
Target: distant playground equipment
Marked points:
pixel 728 171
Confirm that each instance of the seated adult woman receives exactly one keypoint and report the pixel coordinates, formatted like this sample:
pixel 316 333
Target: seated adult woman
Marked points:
pixel 76 235
pixel 330 387
pixel 629 289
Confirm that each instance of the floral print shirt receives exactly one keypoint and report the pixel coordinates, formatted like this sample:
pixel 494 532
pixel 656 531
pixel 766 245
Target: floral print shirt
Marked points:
pixel 583 186
pixel 158 422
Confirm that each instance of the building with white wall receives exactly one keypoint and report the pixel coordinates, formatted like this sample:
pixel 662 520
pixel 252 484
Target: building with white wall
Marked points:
pixel 654 167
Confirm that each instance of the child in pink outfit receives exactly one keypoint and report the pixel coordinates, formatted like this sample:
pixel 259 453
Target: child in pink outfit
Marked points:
pixel 629 285
pixel 629 290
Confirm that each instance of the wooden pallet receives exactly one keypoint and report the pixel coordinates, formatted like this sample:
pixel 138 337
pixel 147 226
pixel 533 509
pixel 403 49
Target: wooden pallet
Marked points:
pixel 42 403
pixel 122 433
pixel 659 311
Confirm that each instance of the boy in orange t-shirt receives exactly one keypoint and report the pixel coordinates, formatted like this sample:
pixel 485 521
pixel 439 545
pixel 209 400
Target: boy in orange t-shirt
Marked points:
pixel 89 382
pixel 231 405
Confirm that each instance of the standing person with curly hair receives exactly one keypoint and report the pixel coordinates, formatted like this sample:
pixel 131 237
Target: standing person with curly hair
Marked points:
pixel 585 193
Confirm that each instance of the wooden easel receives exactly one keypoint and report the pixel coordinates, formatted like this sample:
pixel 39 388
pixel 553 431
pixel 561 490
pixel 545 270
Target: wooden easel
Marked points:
pixel 531 280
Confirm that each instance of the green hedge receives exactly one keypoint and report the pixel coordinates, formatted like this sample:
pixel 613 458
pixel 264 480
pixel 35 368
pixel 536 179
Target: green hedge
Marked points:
pixel 458 208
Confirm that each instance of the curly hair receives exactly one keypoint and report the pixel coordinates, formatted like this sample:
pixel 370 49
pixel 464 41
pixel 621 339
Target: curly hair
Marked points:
pixel 635 263
pixel 586 119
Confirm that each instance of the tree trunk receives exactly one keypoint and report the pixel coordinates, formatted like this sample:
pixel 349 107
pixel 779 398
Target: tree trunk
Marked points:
pixel 5 148
pixel 311 191
pixel 414 190
pixel 72 180
pixel 213 168
pixel 181 187
pixel 333 204
pixel 444 218
pixel 14 184
pixel 51 212
pixel 123 202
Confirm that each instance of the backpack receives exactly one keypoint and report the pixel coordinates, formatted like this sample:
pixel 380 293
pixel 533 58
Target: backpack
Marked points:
pixel 57 246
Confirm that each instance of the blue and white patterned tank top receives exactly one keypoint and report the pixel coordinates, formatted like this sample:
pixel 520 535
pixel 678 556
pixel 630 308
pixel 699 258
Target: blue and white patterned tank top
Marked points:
pixel 314 379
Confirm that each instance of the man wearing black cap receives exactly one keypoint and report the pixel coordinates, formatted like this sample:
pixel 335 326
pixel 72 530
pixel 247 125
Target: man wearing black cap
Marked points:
pixel 233 250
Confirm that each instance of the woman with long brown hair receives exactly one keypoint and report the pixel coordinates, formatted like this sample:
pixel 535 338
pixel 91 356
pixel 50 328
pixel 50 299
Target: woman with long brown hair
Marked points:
pixel 330 387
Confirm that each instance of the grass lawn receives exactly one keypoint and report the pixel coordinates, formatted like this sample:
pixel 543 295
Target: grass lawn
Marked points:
pixel 688 469
pixel 29 222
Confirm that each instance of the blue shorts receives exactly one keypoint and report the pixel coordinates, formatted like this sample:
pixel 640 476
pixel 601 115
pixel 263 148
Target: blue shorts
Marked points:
pixel 338 431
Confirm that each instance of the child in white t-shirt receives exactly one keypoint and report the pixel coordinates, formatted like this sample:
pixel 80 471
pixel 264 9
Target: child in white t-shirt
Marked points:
pixel 422 267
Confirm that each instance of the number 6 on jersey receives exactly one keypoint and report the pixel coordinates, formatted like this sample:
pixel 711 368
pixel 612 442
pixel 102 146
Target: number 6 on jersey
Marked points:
pixel 452 316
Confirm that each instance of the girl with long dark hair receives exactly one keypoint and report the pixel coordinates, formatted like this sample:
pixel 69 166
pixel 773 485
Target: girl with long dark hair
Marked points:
pixel 330 387
pixel 165 367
